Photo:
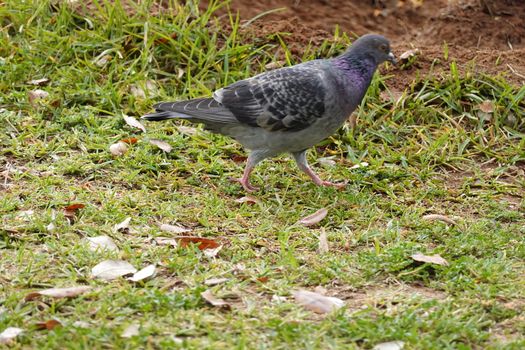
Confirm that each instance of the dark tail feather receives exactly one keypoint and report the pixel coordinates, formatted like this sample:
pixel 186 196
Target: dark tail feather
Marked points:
pixel 162 115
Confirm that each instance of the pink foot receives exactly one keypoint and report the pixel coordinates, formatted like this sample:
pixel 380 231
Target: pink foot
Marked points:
pixel 248 187
pixel 338 185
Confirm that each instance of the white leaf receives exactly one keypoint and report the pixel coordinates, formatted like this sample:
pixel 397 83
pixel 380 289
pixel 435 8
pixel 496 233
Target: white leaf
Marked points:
pixel 431 259
pixel 278 299
pixel 26 214
pixel 131 330
pixel 326 161
pixel 323 242
pixel 212 253
pixel 101 243
pixel 9 334
pixel 391 345
pixel 51 227
pixel 188 130
pixel 39 82
pixel 68 292
pixel 166 147
pixel 316 302
pixel 213 300
pixel 147 272
pixel 118 149
pixel 123 226
pixel 81 324
pixel 174 229
pixel 405 56
pixel 131 121
pixel 111 269
pixel 438 217
pixel 215 281
pixel 359 165
pixel 247 199
pixel 166 241
pixel 314 218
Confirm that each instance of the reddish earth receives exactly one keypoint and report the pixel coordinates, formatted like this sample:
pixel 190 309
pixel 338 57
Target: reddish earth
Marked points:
pixel 485 35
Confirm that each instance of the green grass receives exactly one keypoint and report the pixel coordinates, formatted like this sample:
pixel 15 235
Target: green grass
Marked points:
pixel 430 152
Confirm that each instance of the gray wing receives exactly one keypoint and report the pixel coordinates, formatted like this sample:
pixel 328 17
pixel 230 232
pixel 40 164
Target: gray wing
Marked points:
pixel 286 99
pixel 204 110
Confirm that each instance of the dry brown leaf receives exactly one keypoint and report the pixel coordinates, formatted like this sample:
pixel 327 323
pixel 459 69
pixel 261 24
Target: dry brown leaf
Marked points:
pixel 9 334
pixel 131 330
pixel 486 106
pixel 391 345
pixel 247 199
pixel 174 228
pixel 123 226
pixel 323 242
pixel 101 243
pixel 118 149
pixel 130 140
pixel 316 302
pixel 48 325
pixel 431 259
pixel 202 243
pixel 213 300
pixel 71 210
pixel 166 147
pixel 438 217
pixel 39 82
pixel 112 269
pixel 36 95
pixel 147 272
pixel 238 158
pixel 68 292
pixel 215 281
pixel 131 121
pixel 314 218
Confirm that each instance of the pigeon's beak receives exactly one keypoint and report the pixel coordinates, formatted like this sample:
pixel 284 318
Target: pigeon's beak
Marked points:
pixel 391 58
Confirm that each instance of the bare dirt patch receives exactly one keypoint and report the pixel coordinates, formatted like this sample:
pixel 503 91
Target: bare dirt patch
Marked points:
pixel 486 37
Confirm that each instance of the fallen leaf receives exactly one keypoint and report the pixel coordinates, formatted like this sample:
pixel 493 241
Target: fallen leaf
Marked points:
pixel 316 302
pixel 174 228
pixel 247 199
pixel 391 345
pixel 68 292
pixel 36 95
pixel 102 60
pixel 81 324
pixel 213 300
pixel 323 242
pixel 101 243
pixel 263 279
pixel 212 253
pixel 238 158
pixel 39 82
pixel 274 65
pixel 326 161
pixel 51 227
pixel 166 241
pixel 9 334
pixel 131 121
pixel 359 165
pixel 202 243
pixel 188 130
pixel 141 90
pixel 112 269
pixel 166 147
pixel 407 55
pixel 486 106
pixel 48 325
pixel 71 211
pixel 215 281
pixel 131 330
pixel 438 217
pixel 118 149
pixel 431 259
pixel 314 218
pixel 278 299
pixel 26 214
pixel 130 140
pixel 123 226
pixel 147 272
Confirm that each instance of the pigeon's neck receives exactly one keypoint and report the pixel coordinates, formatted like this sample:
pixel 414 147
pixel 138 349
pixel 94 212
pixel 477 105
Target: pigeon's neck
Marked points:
pixel 356 70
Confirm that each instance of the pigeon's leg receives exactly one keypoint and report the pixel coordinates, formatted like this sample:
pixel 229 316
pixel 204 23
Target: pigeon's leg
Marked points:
pixel 253 159
pixel 302 163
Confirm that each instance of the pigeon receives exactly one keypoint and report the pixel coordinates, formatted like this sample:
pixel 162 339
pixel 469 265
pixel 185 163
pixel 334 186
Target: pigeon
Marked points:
pixel 287 110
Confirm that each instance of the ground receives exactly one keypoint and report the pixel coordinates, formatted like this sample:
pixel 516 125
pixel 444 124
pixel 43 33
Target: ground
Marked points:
pixel 434 159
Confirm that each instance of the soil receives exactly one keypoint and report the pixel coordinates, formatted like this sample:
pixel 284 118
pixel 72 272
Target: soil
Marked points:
pixel 488 36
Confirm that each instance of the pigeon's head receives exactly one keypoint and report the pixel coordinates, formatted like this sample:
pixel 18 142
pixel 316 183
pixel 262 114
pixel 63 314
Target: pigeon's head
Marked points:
pixel 374 46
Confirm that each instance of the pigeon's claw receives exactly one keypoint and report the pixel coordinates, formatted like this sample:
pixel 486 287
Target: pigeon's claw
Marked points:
pixel 248 187
pixel 337 185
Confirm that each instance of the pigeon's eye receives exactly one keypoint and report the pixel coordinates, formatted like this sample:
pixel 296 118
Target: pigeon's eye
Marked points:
pixel 383 48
